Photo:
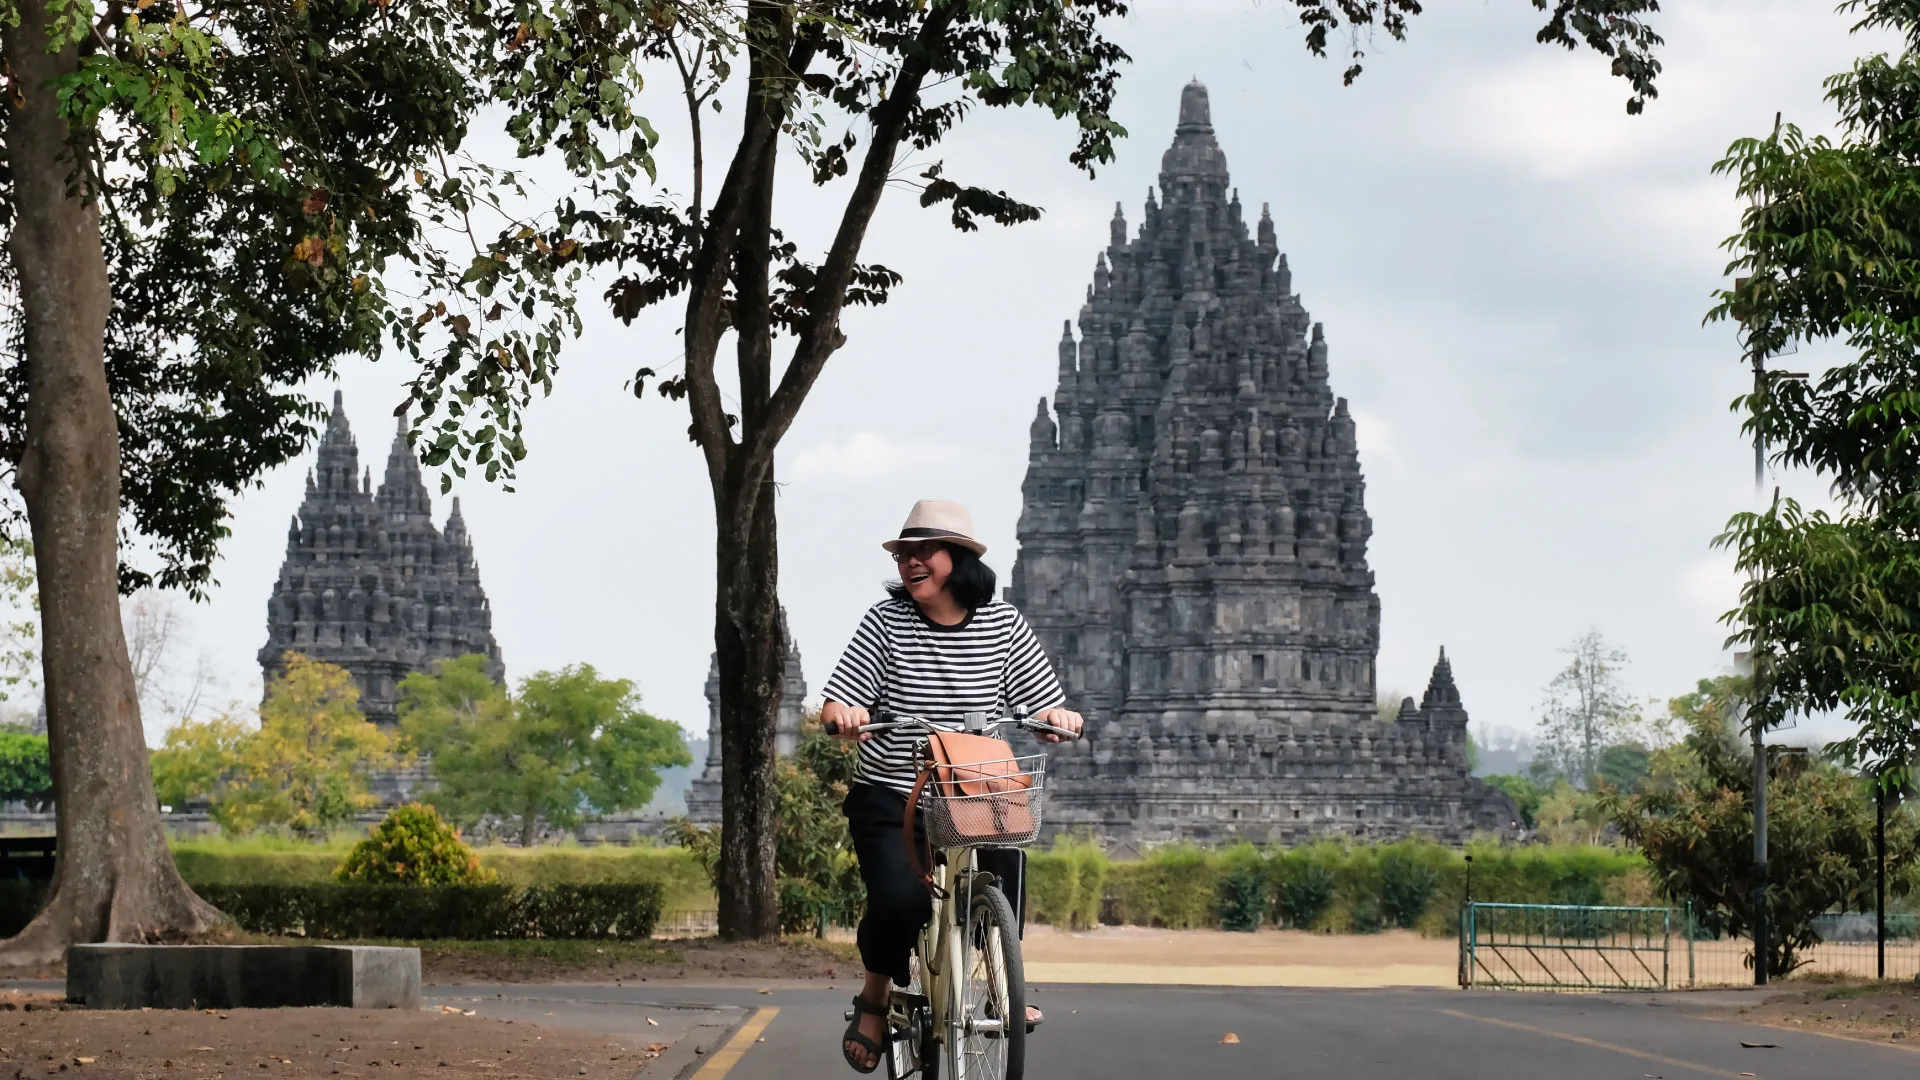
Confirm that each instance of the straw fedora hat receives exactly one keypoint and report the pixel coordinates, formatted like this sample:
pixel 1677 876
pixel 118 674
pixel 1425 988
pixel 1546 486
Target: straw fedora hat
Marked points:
pixel 938 519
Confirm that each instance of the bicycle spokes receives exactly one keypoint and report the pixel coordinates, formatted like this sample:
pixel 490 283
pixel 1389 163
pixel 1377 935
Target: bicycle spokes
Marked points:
pixel 984 1007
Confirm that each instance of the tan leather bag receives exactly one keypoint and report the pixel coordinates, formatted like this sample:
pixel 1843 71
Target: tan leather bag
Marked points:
pixel 971 765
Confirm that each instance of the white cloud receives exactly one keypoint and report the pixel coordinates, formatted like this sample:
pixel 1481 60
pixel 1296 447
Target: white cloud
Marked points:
pixel 1711 585
pixel 1375 436
pixel 865 455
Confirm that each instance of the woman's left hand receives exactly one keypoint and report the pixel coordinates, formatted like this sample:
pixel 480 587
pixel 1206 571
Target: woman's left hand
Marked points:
pixel 1060 718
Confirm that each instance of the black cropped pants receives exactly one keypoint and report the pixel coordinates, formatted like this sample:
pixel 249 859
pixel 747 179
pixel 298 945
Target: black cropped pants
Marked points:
pixel 898 905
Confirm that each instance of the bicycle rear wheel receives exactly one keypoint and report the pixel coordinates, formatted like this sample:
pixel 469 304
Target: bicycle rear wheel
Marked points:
pixel 988 1039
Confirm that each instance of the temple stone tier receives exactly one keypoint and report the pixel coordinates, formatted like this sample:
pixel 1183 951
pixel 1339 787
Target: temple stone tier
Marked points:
pixel 703 793
pixel 372 585
pixel 1193 543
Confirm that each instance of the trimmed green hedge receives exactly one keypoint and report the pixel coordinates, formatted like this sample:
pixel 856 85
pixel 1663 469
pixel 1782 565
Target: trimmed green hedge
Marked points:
pixel 336 912
pixel 625 912
pixel 1326 886
pixel 208 863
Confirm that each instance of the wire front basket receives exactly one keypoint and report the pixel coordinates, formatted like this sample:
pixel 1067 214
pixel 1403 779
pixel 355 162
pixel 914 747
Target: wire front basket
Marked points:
pixel 985 804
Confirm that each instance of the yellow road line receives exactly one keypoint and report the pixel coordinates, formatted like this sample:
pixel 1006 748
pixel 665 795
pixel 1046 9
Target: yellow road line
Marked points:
pixel 1597 1044
pixel 729 1055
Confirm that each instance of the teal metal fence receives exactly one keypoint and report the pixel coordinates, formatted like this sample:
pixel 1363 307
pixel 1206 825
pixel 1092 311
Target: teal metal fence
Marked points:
pixel 1565 947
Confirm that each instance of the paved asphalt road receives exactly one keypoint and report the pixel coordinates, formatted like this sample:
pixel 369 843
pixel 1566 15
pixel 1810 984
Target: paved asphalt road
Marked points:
pixel 1158 1033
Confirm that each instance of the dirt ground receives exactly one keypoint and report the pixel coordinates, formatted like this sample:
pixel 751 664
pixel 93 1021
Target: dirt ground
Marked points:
pixel 1879 1011
pixel 458 963
pixel 694 959
pixel 1139 955
pixel 41 1037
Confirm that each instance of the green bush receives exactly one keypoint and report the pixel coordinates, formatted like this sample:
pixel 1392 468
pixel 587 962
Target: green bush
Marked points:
pixel 345 912
pixel 269 861
pixel 413 846
pixel 1366 917
pixel 1243 891
pixel 1065 886
pixel 1407 886
pixel 1174 887
pixel 1305 892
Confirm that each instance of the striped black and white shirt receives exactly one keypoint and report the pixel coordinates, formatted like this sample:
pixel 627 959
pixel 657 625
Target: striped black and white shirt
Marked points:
pixel 901 661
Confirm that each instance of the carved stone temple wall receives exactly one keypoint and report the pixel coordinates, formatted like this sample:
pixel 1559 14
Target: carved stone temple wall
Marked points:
pixel 372 585
pixel 1193 546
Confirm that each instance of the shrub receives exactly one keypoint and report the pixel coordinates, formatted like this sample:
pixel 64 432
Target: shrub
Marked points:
pixel 1407 885
pixel 1065 886
pixel 1365 917
pixel 346 912
pixel 1305 893
pixel 264 860
pixel 1243 893
pixel 413 846
pixel 1174 887
pixel 819 876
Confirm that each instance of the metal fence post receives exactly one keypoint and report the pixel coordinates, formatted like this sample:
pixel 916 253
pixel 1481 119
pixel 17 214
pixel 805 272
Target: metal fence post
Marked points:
pixel 1690 945
pixel 1666 953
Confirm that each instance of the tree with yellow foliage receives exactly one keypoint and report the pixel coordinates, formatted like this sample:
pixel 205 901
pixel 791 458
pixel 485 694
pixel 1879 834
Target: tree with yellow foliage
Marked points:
pixel 303 769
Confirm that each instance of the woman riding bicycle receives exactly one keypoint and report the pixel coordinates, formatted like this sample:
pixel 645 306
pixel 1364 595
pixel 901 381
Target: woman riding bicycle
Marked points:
pixel 938 647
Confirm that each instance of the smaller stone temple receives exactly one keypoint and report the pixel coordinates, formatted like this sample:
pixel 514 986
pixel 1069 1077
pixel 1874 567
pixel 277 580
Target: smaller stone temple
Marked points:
pixel 369 582
pixel 703 794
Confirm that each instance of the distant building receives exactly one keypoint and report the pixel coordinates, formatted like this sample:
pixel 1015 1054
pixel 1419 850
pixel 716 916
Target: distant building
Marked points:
pixel 369 582
pixel 703 795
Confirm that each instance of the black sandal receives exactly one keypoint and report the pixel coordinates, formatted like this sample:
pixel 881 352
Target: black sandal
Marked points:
pixel 862 1007
pixel 1035 1019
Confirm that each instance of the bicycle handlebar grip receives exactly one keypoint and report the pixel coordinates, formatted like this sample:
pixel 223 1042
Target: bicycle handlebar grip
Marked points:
pixel 832 726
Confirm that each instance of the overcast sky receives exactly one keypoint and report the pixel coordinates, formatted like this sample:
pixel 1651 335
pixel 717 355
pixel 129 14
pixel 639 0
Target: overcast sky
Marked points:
pixel 1512 274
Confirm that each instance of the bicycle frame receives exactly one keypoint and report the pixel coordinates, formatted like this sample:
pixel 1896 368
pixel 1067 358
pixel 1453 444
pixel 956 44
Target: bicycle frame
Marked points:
pixel 946 957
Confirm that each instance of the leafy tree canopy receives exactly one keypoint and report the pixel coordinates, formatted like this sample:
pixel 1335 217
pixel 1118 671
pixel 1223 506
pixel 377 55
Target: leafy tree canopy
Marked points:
pixel 569 747
pixel 1693 820
pixel 304 768
pixel 1826 251
pixel 1525 792
pixel 26 771
pixel 277 183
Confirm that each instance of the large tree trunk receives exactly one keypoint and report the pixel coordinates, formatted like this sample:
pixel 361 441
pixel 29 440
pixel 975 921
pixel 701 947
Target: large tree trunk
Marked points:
pixel 752 661
pixel 116 880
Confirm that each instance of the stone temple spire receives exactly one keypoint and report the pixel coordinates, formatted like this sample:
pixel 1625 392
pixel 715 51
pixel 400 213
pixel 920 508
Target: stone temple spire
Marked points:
pixel 1193 550
pixel 1194 168
pixel 369 583
pixel 1440 688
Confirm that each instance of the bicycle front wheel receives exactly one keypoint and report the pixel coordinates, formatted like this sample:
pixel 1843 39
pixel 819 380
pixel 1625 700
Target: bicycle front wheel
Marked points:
pixel 988 1033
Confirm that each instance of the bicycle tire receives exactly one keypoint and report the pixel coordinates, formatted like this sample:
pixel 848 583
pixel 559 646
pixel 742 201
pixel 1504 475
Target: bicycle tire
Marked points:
pixel 991 928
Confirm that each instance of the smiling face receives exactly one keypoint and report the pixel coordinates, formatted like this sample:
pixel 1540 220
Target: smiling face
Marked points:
pixel 923 569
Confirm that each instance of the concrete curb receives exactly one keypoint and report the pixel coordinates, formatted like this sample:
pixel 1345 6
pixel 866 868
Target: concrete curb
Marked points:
pixel 243 976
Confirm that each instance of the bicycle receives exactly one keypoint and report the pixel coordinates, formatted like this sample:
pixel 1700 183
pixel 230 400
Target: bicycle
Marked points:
pixel 963 1021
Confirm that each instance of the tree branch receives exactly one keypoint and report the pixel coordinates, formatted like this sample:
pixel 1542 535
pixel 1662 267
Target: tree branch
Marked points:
pixel 712 264
pixel 822 336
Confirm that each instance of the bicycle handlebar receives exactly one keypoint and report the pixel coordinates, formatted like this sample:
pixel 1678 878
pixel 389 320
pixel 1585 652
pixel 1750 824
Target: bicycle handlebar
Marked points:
pixel 894 721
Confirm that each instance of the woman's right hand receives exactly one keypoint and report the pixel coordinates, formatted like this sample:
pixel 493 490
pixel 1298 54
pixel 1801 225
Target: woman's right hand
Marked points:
pixel 845 721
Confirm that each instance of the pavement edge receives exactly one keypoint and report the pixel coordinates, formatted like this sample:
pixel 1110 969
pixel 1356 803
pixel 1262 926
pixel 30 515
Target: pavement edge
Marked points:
pixel 686 1054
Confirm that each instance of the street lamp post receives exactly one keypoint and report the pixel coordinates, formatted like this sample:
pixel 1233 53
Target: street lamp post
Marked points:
pixel 1761 381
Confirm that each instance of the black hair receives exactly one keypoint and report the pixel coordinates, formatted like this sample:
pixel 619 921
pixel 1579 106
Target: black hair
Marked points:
pixel 972 581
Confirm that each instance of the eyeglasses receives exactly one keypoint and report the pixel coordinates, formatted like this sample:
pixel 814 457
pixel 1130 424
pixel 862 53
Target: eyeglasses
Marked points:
pixel 923 552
